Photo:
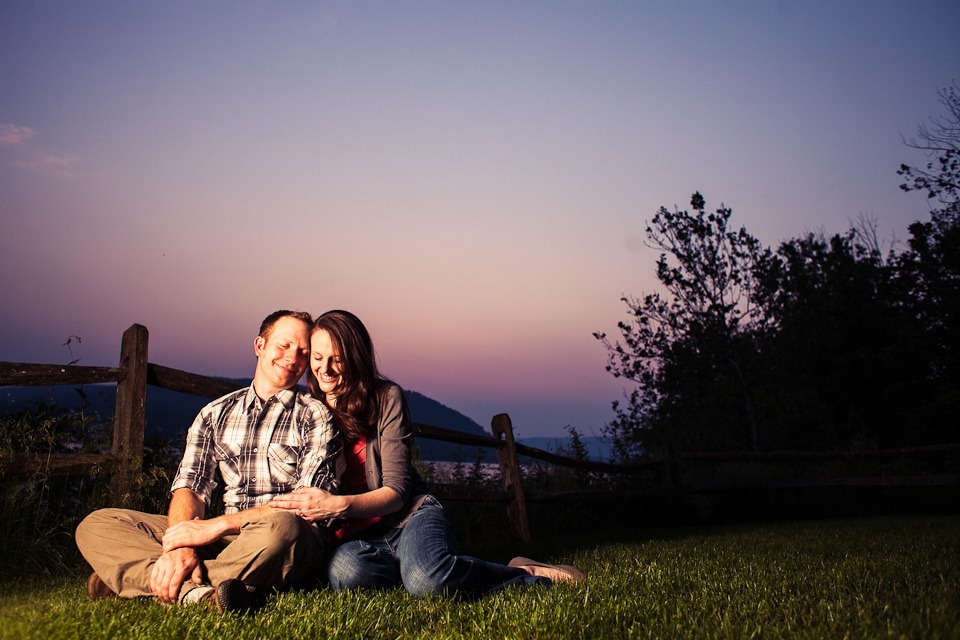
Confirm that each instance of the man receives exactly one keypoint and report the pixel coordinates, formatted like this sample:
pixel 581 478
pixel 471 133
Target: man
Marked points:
pixel 262 441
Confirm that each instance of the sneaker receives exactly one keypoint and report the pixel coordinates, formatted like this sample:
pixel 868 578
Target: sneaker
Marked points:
pixel 203 595
pixel 555 572
pixel 230 596
pixel 97 589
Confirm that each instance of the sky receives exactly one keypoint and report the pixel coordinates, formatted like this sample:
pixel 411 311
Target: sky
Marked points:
pixel 472 179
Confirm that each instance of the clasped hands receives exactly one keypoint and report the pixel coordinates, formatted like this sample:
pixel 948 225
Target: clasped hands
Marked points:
pixel 310 503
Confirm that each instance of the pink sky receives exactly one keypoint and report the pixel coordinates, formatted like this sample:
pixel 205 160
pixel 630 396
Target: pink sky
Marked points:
pixel 472 179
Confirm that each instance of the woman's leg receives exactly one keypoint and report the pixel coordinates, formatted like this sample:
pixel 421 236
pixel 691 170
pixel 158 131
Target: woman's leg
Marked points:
pixel 430 564
pixel 359 564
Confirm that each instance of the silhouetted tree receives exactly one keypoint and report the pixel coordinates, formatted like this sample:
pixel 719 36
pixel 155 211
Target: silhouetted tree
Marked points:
pixel 930 268
pixel 690 350
pixel 838 370
pixel 459 471
pixel 477 477
pixel 825 344
pixel 940 139
pixel 578 451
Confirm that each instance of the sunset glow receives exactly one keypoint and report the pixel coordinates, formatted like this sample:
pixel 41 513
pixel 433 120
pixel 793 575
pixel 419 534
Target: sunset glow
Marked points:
pixel 471 179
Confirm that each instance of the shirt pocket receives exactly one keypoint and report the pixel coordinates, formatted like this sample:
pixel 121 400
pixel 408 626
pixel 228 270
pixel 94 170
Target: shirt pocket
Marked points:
pixel 283 461
pixel 227 455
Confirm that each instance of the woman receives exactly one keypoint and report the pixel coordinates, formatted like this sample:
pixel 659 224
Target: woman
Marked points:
pixel 390 530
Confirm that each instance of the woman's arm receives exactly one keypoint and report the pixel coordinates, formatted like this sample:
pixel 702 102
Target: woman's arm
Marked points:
pixel 395 435
pixel 395 442
pixel 314 504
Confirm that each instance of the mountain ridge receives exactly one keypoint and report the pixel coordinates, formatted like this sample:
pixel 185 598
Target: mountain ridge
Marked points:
pixel 170 413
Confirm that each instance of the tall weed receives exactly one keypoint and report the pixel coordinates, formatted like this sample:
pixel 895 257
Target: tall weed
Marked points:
pixel 39 513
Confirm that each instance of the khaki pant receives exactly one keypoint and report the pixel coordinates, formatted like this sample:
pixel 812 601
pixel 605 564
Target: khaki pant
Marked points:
pixel 273 552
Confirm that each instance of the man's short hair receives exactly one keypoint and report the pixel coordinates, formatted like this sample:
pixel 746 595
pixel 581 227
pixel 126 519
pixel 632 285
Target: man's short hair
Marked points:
pixel 266 327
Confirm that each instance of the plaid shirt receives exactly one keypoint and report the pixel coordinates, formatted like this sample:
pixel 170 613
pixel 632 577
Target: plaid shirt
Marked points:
pixel 260 449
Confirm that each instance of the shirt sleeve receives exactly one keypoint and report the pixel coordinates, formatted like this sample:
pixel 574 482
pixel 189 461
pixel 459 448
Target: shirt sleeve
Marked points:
pixel 396 439
pixel 198 468
pixel 321 462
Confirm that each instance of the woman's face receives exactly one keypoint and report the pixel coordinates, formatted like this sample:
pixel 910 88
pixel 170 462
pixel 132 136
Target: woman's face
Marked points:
pixel 324 361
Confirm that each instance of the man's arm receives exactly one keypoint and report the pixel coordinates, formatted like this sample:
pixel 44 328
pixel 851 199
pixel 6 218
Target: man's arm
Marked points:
pixel 174 566
pixel 185 504
pixel 321 462
pixel 189 534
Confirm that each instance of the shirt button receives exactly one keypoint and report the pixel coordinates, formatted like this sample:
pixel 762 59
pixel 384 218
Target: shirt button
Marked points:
pixel 253 480
pixel 255 450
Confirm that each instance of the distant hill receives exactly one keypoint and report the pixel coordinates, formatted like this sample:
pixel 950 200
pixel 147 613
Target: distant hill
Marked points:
pixel 428 411
pixel 170 413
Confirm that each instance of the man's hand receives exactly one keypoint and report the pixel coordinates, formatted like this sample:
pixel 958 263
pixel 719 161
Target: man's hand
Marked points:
pixel 171 570
pixel 195 533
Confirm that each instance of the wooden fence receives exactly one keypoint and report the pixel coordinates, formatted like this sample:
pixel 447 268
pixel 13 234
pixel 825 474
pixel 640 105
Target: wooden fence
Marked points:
pixel 675 477
pixel 125 460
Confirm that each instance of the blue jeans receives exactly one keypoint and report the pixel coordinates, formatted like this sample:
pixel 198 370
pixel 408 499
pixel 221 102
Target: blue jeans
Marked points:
pixel 423 556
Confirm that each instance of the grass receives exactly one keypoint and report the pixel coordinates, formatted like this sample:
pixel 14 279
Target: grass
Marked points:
pixel 861 578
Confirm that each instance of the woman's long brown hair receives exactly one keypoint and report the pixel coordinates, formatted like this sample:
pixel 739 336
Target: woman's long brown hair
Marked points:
pixel 357 407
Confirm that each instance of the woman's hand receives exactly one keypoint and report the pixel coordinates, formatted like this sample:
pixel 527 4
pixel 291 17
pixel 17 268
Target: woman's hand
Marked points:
pixel 312 504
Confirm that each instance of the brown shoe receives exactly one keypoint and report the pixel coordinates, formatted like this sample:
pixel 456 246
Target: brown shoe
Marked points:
pixel 556 572
pixel 97 589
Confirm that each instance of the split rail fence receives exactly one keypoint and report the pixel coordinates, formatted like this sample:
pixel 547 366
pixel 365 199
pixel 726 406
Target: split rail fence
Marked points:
pixel 125 460
pixel 674 477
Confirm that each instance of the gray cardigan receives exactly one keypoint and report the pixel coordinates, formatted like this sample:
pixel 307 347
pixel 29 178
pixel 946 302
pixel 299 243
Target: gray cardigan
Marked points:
pixel 389 458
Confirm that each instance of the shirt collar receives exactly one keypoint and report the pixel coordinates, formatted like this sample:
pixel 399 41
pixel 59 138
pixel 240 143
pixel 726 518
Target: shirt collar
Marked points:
pixel 286 397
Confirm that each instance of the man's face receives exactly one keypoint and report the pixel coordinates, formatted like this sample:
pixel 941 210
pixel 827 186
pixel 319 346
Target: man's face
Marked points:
pixel 281 357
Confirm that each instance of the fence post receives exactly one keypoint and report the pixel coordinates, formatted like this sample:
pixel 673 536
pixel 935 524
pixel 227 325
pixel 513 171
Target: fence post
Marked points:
pixel 129 414
pixel 502 429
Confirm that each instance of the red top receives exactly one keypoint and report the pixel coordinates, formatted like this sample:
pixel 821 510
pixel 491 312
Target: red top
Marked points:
pixel 354 482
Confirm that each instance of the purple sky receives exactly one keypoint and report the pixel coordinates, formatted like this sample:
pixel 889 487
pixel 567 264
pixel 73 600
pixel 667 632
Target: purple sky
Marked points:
pixel 471 179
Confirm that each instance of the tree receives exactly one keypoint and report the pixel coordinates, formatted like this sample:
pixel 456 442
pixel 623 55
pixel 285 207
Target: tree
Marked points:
pixel 841 369
pixel 477 477
pixel 940 139
pixel 811 347
pixel 578 451
pixel 930 268
pixel 689 350
pixel 825 344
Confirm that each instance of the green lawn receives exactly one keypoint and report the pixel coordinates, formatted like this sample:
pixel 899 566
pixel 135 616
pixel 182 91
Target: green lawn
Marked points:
pixel 862 578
